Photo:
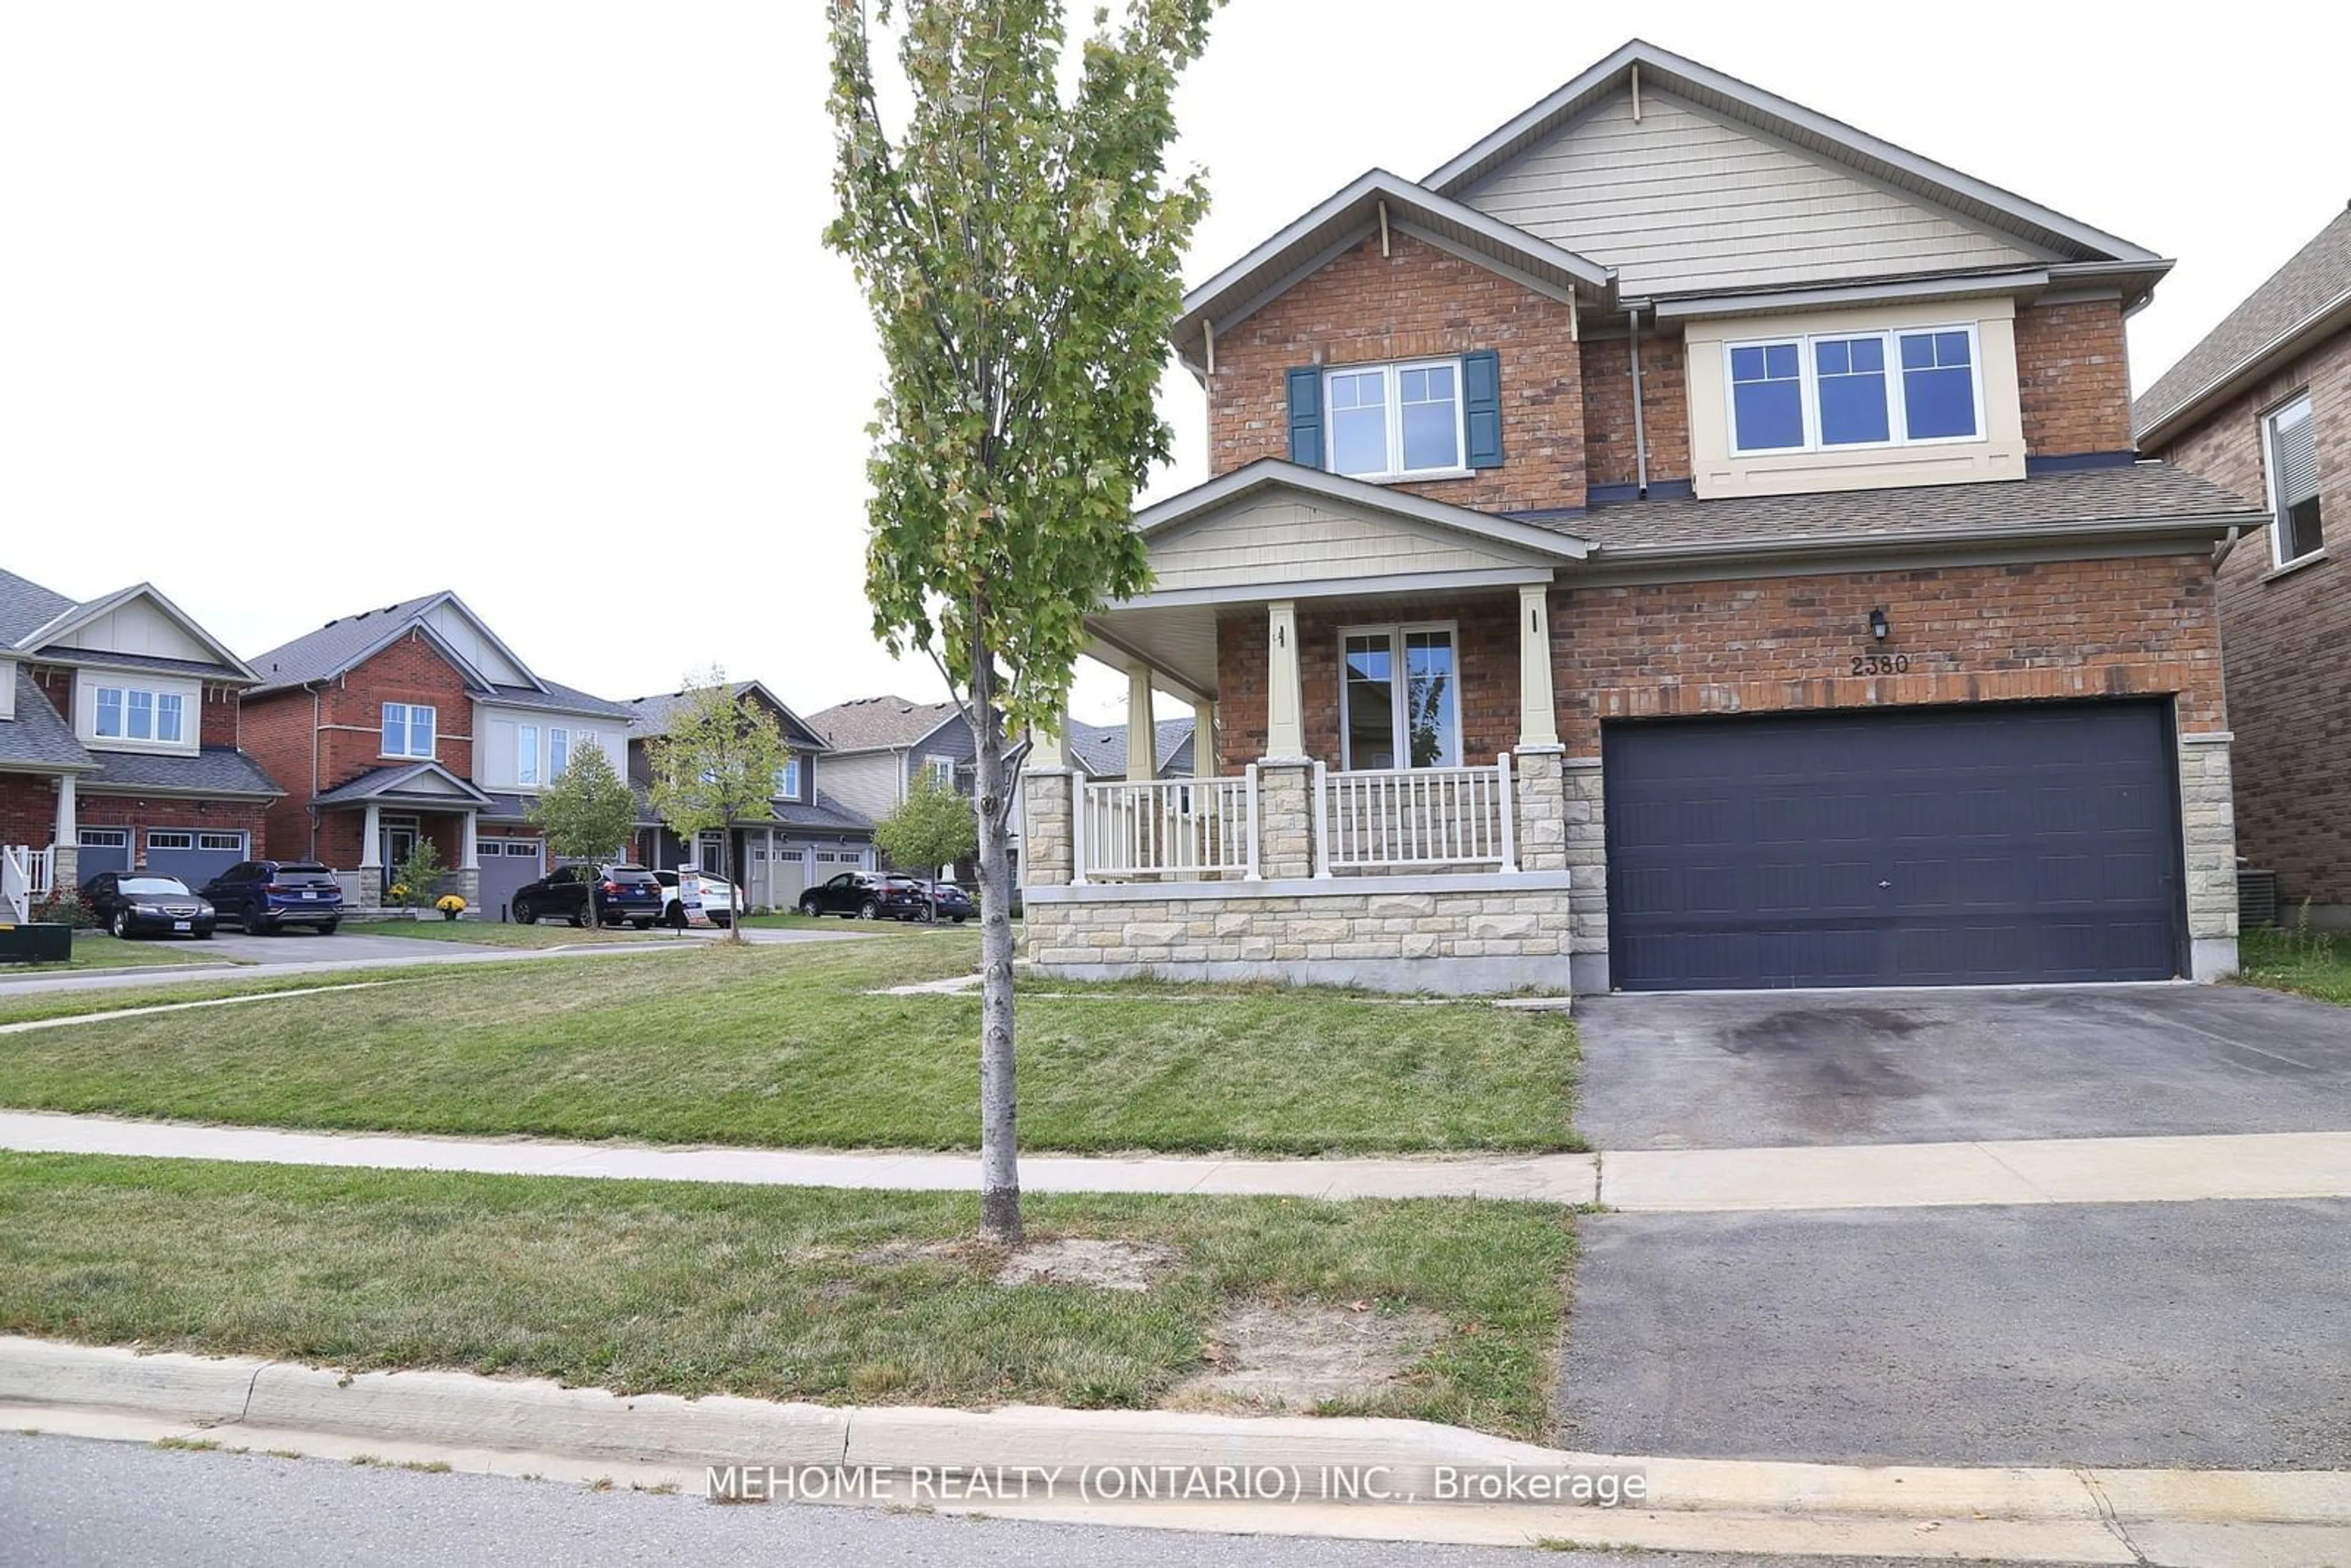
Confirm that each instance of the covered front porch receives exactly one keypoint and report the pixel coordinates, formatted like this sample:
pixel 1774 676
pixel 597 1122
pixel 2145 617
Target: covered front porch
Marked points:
pixel 1381 797
pixel 375 822
pixel 39 838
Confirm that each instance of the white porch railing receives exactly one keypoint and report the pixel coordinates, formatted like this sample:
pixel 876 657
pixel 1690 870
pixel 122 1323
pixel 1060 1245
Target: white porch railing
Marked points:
pixel 26 873
pixel 1381 818
pixel 1174 827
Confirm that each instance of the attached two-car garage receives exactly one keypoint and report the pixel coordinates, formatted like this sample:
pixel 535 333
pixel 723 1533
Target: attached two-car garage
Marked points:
pixel 1887 846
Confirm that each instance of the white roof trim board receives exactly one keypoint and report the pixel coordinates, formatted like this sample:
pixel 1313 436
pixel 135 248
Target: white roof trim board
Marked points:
pixel 83 614
pixel 1808 129
pixel 1340 222
pixel 1269 472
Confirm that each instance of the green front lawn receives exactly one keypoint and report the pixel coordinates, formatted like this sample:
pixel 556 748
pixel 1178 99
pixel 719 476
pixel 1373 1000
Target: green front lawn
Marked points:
pixel 95 950
pixel 785 1046
pixel 2310 964
pixel 500 934
pixel 775 1293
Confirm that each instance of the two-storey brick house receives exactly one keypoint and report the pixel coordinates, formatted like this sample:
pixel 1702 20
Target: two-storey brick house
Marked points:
pixel 2262 406
pixel 1683 541
pixel 416 721
pixel 120 742
pixel 807 835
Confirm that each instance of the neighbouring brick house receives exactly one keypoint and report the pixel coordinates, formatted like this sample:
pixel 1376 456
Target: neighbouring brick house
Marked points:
pixel 1683 541
pixel 416 721
pixel 120 742
pixel 808 836
pixel 2262 406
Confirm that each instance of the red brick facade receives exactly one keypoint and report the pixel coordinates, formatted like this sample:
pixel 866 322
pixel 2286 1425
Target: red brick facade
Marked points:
pixel 28 809
pixel 94 809
pixel 2134 626
pixel 339 732
pixel 2289 637
pixel 1611 457
pixel 1415 302
pixel 2073 378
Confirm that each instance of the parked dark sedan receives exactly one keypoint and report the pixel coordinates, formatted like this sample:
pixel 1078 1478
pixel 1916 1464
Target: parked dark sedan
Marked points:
pixel 954 903
pixel 865 895
pixel 621 893
pixel 135 904
pixel 264 896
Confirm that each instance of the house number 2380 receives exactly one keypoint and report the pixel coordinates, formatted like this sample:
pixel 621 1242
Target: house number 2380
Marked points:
pixel 1881 663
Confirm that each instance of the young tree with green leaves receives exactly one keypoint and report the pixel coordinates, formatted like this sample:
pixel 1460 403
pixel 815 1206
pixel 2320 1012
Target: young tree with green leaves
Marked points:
pixel 588 812
pixel 416 881
pixel 932 827
pixel 717 768
pixel 1019 250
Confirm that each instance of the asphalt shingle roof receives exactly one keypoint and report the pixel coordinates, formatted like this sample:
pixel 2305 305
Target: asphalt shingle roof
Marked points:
pixel 316 656
pixel 38 733
pixel 869 723
pixel 215 771
pixel 2136 491
pixel 25 607
pixel 1101 749
pixel 2317 278
pixel 825 815
pixel 568 699
pixel 196 669
pixel 652 716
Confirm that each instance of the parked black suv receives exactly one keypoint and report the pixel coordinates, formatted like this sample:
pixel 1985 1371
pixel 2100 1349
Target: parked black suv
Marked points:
pixel 264 896
pixel 621 892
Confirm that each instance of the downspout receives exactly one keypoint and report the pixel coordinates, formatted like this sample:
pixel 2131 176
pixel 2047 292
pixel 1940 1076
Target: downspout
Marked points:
pixel 314 771
pixel 1640 424
pixel 2221 551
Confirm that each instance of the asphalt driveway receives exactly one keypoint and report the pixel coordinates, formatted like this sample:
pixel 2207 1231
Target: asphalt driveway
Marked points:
pixel 1697 1071
pixel 2125 1334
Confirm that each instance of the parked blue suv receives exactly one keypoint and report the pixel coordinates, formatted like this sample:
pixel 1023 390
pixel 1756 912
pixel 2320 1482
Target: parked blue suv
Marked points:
pixel 264 896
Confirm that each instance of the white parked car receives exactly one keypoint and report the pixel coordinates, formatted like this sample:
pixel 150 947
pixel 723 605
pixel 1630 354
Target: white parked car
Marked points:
pixel 718 899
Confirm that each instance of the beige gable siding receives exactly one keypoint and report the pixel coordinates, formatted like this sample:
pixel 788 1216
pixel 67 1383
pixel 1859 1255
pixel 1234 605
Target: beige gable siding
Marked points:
pixel 1285 540
pixel 140 626
pixel 870 783
pixel 1679 199
pixel 458 630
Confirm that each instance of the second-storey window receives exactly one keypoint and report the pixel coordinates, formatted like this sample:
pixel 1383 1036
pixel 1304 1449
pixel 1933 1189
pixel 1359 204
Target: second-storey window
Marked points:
pixel 787 778
pixel 1388 421
pixel 2293 443
pixel 1852 389
pixel 525 754
pixel 127 713
pixel 1399 704
pixel 408 729
pixel 559 753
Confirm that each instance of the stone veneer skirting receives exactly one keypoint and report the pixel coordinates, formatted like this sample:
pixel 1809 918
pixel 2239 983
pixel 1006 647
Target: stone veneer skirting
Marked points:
pixel 1469 934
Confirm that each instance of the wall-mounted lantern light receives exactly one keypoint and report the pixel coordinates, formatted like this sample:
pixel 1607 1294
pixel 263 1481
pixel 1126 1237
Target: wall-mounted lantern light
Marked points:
pixel 1877 627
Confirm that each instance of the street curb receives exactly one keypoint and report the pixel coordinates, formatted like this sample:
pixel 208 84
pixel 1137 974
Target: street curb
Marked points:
pixel 466 1411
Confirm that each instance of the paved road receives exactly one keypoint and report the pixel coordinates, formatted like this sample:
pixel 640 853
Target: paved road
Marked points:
pixel 2126 1334
pixel 1870 1067
pixel 70 1503
pixel 306 952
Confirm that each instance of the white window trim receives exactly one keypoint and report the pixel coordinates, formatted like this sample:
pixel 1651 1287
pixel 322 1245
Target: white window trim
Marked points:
pixel 788 784
pixel 553 772
pixel 1400 742
pixel 89 683
pixel 171 835
pixel 527 768
pixel 942 769
pixel 407 731
pixel 2278 557
pixel 1808 394
pixel 236 841
pixel 102 837
pixel 1393 401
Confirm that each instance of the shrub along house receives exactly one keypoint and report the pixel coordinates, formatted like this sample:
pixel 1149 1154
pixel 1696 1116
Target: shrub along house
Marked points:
pixel 416 721
pixel 118 743
pixel 805 832
pixel 2262 405
pixel 1682 542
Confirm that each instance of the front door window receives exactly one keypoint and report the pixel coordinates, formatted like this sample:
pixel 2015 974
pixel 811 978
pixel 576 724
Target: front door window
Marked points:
pixel 1399 701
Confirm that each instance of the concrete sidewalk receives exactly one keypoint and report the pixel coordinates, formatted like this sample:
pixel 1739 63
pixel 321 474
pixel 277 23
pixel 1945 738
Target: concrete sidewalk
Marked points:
pixel 1882 1175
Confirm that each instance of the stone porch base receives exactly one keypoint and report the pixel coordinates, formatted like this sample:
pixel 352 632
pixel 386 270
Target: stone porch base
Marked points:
pixel 1474 933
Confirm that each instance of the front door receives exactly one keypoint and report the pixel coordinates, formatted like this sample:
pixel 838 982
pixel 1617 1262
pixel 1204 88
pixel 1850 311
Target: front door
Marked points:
pixel 399 844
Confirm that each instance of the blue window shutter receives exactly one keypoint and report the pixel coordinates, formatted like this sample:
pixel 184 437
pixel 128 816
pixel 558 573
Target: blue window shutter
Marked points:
pixel 1481 408
pixel 1306 417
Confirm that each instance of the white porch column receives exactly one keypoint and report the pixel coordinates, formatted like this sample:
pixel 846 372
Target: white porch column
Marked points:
pixel 371 840
pixel 1203 740
pixel 68 831
pixel 1142 729
pixel 1537 714
pixel 1285 702
pixel 767 871
pixel 473 855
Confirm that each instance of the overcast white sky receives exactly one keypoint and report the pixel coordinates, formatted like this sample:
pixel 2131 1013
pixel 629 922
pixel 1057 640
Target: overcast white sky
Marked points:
pixel 308 306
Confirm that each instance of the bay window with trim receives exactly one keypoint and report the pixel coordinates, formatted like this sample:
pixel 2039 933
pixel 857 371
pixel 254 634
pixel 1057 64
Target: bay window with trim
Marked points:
pixel 408 730
pixel 1399 697
pixel 2289 445
pixel 1847 391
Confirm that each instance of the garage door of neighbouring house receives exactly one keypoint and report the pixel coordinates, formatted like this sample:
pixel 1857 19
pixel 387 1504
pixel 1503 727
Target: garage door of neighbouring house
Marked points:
pixel 102 849
pixel 507 864
pixel 194 858
pixel 1937 846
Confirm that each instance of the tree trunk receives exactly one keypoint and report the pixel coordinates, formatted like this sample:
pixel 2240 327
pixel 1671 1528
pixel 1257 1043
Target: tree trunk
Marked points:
pixel 734 859
pixel 999 1136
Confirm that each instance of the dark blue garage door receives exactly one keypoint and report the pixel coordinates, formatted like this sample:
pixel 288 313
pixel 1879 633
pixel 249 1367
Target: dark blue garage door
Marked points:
pixel 1939 846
